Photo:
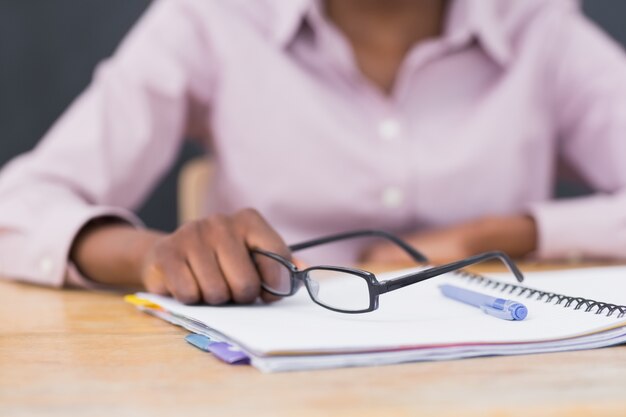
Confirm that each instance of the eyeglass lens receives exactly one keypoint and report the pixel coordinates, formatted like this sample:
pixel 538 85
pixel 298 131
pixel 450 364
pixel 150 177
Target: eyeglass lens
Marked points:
pixel 339 290
pixel 335 289
pixel 276 276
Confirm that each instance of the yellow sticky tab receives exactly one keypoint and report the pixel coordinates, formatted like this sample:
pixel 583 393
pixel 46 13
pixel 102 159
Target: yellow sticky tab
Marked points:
pixel 140 302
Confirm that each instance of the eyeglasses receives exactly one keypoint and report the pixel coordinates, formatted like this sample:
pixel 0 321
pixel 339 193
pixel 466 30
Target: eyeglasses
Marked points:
pixel 351 290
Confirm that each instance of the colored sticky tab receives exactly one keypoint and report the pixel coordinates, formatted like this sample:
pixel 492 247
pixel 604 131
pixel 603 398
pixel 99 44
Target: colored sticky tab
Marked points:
pixel 229 353
pixel 199 341
pixel 140 302
pixel 223 351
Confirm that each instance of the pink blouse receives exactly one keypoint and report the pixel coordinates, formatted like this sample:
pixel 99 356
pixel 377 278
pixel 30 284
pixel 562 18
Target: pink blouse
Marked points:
pixel 474 126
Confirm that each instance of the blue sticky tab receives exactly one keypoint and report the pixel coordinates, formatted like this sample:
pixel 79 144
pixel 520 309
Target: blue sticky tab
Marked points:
pixel 223 351
pixel 199 341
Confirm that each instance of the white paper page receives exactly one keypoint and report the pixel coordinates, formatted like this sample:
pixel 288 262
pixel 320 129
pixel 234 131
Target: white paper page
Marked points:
pixel 607 284
pixel 415 316
pixel 307 362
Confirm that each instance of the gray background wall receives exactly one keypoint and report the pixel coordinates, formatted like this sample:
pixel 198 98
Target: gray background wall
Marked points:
pixel 48 49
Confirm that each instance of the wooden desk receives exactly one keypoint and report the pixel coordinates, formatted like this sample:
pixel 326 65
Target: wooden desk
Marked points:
pixel 65 353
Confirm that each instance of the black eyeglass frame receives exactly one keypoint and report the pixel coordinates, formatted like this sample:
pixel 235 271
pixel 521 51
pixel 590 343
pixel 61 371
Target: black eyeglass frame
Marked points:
pixel 376 288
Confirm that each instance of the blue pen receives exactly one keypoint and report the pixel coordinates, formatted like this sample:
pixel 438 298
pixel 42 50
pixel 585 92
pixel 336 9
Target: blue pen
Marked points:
pixel 497 307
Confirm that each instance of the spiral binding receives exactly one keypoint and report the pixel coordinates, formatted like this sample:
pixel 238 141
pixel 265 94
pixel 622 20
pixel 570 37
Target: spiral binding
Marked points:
pixel 548 297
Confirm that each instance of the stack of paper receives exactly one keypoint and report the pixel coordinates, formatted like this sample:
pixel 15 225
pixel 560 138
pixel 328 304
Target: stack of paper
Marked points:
pixel 415 323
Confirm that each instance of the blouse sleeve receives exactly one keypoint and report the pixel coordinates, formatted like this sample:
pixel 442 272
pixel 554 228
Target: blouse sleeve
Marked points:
pixel 588 71
pixel 106 153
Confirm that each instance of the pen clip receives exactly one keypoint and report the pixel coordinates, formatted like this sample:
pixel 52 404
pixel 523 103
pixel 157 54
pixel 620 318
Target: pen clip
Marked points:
pixel 501 314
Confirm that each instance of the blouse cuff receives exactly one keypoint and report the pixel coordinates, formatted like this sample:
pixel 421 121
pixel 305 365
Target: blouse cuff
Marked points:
pixel 46 262
pixel 590 227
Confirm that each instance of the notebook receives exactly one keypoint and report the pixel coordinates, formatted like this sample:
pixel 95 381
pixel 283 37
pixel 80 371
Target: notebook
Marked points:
pixel 567 310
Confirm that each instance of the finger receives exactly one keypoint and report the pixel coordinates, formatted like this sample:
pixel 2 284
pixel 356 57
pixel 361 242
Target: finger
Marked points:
pixel 179 280
pixel 236 264
pixel 205 268
pixel 299 263
pixel 154 281
pixel 276 277
pixel 259 234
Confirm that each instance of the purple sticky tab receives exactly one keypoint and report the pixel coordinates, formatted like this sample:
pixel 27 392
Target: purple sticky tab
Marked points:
pixel 227 353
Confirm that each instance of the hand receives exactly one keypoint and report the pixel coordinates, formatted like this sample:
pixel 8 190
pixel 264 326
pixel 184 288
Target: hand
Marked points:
pixel 209 261
pixel 203 261
pixel 515 235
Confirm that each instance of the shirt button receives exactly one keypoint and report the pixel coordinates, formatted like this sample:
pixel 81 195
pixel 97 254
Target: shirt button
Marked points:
pixel 45 266
pixel 392 197
pixel 389 129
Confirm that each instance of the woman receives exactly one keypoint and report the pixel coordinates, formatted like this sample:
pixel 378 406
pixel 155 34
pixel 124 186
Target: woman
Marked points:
pixel 439 120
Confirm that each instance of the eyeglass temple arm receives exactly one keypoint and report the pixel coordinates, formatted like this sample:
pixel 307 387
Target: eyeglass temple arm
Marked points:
pixel 400 282
pixel 416 255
